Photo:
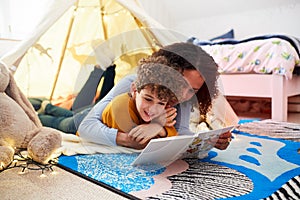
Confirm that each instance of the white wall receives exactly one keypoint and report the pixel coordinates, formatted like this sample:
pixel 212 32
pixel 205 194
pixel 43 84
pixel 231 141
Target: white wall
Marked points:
pixel 209 18
pixel 200 18
pixel 19 17
pixel 17 20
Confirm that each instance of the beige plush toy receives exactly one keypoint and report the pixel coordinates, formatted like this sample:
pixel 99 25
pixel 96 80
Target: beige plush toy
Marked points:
pixel 20 127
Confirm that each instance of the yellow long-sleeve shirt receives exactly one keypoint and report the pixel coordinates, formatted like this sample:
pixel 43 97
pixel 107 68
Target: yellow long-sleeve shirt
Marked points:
pixel 121 113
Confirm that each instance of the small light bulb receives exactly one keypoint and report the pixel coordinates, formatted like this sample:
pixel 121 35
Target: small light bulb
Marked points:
pixel 54 173
pixel 43 176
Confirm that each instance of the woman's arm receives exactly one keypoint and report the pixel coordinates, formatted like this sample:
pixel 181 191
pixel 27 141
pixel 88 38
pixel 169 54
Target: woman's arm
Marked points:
pixel 92 128
pixel 183 118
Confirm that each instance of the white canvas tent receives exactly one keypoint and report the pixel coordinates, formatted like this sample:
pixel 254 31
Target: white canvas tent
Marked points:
pixel 75 35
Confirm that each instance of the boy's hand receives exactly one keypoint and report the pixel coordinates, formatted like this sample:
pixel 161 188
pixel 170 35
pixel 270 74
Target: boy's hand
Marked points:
pixel 145 132
pixel 167 118
pixel 123 139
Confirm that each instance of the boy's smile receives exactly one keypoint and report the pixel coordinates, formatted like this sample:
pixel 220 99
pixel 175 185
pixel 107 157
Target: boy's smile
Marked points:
pixel 148 105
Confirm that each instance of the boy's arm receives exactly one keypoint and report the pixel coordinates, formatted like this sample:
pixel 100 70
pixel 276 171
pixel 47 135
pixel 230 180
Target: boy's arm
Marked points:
pixel 168 131
pixel 91 128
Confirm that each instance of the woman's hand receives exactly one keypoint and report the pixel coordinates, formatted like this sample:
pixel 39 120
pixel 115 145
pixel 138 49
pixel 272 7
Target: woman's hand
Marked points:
pixel 145 132
pixel 168 117
pixel 223 141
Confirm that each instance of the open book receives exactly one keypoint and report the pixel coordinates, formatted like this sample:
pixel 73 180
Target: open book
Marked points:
pixel 164 151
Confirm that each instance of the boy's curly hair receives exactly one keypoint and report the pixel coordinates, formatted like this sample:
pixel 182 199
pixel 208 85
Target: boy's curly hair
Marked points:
pixel 167 83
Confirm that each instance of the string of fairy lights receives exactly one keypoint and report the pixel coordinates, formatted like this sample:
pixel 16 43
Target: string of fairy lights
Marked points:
pixel 25 163
pixel 108 13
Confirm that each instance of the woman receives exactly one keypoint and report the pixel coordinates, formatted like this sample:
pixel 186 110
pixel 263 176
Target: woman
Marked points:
pixel 199 70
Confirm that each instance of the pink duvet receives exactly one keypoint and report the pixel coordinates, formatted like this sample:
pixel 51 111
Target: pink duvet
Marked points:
pixel 266 56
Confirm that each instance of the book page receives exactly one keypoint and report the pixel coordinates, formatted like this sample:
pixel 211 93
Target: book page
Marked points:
pixel 164 151
pixel 204 142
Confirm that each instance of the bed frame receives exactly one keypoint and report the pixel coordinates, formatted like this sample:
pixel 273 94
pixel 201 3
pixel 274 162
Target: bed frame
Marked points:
pixel 276 87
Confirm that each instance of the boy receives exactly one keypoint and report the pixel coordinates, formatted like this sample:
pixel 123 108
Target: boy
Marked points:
pixel 156 88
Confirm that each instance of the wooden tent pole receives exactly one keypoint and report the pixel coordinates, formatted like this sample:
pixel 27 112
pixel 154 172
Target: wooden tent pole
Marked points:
pixel 148 35
pixel 102 10
pixel 64 50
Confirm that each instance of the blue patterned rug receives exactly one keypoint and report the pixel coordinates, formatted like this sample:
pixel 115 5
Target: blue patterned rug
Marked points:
pixel 253 167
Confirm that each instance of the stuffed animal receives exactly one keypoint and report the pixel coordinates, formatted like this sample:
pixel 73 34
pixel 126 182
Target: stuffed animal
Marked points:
pixel 20 127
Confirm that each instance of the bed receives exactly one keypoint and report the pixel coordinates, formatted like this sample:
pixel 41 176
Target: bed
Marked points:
pixel 264 66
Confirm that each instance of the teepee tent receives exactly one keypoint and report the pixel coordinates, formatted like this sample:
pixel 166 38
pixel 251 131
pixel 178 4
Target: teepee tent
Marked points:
pixel 74 35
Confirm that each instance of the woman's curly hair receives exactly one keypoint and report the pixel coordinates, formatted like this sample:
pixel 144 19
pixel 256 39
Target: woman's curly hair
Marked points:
pixel 186 56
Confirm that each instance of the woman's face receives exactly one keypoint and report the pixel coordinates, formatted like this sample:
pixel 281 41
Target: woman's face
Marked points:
pixel 148 105
pixel 195 80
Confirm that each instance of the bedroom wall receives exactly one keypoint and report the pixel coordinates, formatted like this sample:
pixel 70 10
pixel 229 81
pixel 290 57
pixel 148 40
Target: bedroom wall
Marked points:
pixel 200 18
pixel 206 19
pixel 17 20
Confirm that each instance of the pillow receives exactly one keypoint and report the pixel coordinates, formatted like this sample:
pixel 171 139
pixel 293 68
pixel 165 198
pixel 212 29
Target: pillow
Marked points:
pixel 198 42
pixel 228 35
pixel 216 40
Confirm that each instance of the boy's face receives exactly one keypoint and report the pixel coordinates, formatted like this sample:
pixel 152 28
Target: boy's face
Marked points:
pixel 148 105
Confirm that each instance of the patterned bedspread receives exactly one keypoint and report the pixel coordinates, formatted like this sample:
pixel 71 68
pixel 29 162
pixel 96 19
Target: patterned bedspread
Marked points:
pixel 277 54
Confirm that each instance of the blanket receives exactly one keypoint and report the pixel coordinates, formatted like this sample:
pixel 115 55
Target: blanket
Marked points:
pixel 72 145
pixel 294 41
pixel 265 54
pixel 253 167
